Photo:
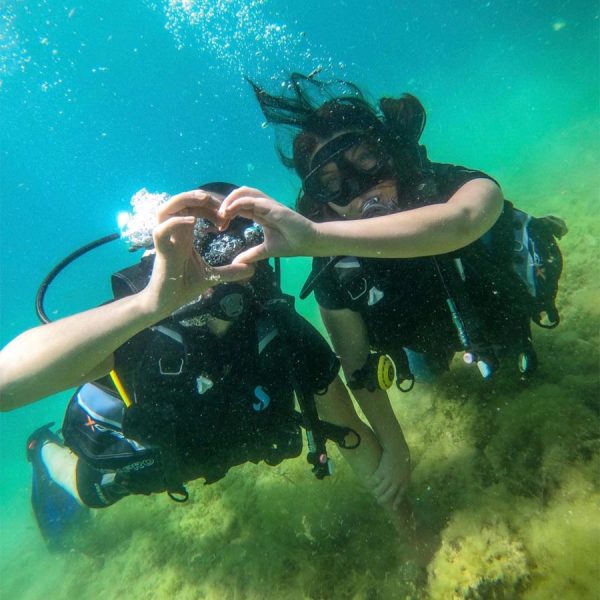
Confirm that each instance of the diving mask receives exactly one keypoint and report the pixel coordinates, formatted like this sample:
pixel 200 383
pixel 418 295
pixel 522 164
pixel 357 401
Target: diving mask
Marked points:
pixel 335 177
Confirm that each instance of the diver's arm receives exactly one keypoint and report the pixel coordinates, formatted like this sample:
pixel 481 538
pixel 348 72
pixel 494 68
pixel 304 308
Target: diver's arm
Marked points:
pixel 393 473
pixel 59 355
pixel 53 357
pixel 335 406
pixel 63 354
pixel 349 337
pixel 425 231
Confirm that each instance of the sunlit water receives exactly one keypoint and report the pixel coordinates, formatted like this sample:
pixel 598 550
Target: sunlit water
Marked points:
pixel 101 99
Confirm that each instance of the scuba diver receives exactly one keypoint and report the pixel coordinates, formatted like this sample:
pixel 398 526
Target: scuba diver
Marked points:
pixel 192 369
pixel 414 260
pixel 474 270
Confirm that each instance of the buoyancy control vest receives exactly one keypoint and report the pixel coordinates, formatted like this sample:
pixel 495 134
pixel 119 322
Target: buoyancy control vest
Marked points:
pixel 191 416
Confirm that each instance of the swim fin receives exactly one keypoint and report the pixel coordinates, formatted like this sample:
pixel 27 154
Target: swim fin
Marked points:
pixel 55 510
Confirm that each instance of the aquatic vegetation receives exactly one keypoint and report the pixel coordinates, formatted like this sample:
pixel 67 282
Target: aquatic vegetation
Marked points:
pixel 478 559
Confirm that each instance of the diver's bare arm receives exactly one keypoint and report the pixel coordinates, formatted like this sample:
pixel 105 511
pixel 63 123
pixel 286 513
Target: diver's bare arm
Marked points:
pixel 349 336
pixel 53 357
pixel 426 231
pixel 59 355
pixel 62 354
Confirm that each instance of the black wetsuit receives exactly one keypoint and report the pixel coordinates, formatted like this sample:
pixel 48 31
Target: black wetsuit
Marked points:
pixel 202 405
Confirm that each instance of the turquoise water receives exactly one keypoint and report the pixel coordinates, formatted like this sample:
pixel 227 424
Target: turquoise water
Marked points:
pixel 100 99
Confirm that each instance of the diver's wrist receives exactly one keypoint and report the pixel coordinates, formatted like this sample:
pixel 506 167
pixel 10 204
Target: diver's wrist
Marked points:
pixel 319 240
pixel 394 442
pixel 151 307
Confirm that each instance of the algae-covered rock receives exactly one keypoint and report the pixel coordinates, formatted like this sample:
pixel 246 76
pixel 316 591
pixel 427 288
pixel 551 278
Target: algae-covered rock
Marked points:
pixel 478 560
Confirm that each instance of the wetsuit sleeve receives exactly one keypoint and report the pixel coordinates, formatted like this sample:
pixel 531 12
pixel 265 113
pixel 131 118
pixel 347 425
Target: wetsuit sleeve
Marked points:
pixel 450 178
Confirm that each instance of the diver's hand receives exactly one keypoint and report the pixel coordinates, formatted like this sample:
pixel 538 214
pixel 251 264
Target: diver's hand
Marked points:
pixel 180 275
pixel 390 480
pixel 287 233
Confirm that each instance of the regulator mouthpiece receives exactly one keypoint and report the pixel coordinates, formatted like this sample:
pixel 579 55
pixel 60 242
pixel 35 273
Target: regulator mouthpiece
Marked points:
pixel 374 207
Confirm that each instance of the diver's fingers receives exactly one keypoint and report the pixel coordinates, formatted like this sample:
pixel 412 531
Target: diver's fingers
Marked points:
pixel 252 255
pixel 261 211
pixel 397 502
pixel 241 192
pixel 388 494
pixel 234 272
pixel 378 476
pixel 374 482
pixel 250 207
pixel 194 202
pixel 246 202
pixel 173 230
pixel 380 486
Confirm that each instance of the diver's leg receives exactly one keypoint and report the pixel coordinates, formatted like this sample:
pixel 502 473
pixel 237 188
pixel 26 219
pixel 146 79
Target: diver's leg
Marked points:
pixel 59 467
pixel 61 464
pixel 79 479
pixel 99 489
pixel 54 499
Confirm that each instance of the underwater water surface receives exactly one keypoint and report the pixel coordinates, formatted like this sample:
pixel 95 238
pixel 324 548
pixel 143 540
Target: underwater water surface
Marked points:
pixel 100 99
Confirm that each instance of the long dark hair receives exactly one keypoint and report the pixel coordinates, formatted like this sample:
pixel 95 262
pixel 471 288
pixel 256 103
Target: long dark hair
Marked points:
pixel 313 110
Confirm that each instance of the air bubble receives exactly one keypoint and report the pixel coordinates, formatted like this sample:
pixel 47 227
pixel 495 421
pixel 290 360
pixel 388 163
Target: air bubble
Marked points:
pixel 231 30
